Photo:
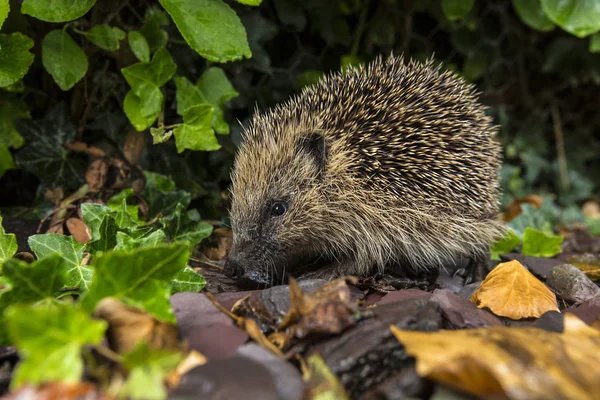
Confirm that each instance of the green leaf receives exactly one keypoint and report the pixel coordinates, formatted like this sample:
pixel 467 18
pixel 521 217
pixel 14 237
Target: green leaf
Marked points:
pixel 539 244
pixel 106 37
pixel 578 17
pixel 186 227
pixel 6 160
pixel 147 370
pixel 140 278
pixel 93 214
pixel 196 132
pixel 139 46
pixel 250 2
pixel 8 244
pixel 58 10
pixel 129 243
pixel 210 27
pixel 11 110
pixel 595 43
pixel 4 9
pixel 132 106
pixel 63 59
pixel 505 245
pixel 72 253
pixel 145 80
pixel 457 9
pixel 107 232
pixel 44 155
pixel 308 78
pixel 154 19
pixel 160 135
pixel 531 12
pixel 161 195
pixel 50 341
pixel 216 90
pixel 187 280
pixel 187 94
pixel 125 216
pixel 15 58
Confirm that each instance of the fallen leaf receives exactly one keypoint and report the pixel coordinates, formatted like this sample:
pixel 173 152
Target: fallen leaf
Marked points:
pixel 55 195
pixel 519 363
pixel 591 209
pixel 515 208
pixel 222 238
pixel 58 390
pixel 79 230
pixel 128 326
pixel 588 263
pixel 322 384
pixel 510 290
pixel 95 176
pixel 191 361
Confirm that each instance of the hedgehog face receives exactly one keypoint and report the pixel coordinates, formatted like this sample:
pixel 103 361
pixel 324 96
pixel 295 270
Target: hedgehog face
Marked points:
pixel 269 208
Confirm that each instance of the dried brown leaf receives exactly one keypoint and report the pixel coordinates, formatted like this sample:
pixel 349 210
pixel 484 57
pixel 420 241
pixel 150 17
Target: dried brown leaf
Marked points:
pixel 58 390
pixel 95 176
pixel 82 147
pixel 192 360
pixel 520 363
pixel 510 290
pixel 79 230
pixel 127 326
pixel 515 208
pixel 55 195
pixel 591 209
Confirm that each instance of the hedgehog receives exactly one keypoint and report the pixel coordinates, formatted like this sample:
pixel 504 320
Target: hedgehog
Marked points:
pixel 392 166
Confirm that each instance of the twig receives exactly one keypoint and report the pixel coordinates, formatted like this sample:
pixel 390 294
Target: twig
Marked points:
pixel 560 148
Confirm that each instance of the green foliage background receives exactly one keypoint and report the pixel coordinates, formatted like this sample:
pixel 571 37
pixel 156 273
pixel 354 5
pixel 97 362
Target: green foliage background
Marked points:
pixel 192 69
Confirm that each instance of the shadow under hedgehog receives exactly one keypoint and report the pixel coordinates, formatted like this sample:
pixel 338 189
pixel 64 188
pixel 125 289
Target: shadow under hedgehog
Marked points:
pixel 391 166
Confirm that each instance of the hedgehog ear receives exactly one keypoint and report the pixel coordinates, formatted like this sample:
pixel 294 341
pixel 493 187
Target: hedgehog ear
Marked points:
pixel 314 145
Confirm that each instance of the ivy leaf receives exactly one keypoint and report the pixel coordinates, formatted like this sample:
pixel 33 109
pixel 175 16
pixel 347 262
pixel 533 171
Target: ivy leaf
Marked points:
pixel 532 13
pixel 140 278
pixel 217 89
pixel 187 280
pixel 139 46
pixel 107 236
pixel 33 282
pixel 106 37
pixel 63 59
pixel 540 244
pixel 505 245
pixel 44 155
pixel 187 94
pixel 11 110
pixel 145 80
pixel 15 58
pixel 124 216
pixel 210 27
pixel 578 17
pixel 595 43
pixel 93 214
pixel 147 370
pixel 161 195
pixel 196 132
pixel 154 20
pixel 50 340
pixel 4 9
pixel 457 9
pixel 250 2
pixel 6 160
pixel 186 228
pixel 70 250
pixel 8 244
pixel 129 243
pixel 58 11
pixel 160 135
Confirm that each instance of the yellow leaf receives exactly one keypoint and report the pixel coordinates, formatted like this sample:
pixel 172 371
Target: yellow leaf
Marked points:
pixel 322 383
pixel 510 290
pixel 519 363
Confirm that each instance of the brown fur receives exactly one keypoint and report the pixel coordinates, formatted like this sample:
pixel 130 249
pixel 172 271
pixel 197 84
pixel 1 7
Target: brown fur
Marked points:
pixel 409 176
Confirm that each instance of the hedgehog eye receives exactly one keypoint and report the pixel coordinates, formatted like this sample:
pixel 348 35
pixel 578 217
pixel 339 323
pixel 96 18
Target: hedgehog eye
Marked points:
pixel 278 209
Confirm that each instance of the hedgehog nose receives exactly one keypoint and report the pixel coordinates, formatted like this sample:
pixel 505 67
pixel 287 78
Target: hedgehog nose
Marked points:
pixel 233 268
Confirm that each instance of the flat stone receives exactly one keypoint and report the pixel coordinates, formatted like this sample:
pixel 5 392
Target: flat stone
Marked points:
pixel 404 384
pixel 572 284
pixel 288 380
pixel 588 311
pixel 467 291
pixel 460 313
pixel 405 294
pixel 235 377
pixel 207 329
pixel 228 299
pixel 540 267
